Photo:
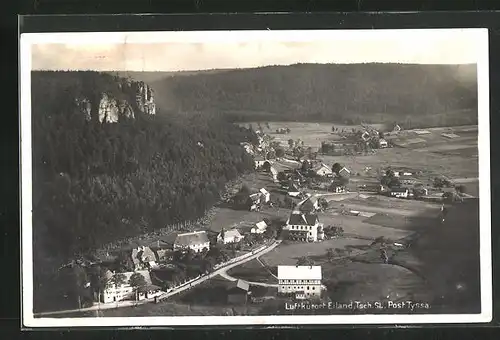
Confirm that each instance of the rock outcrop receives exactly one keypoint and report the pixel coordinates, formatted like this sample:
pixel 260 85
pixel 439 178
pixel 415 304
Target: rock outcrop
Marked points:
pixel 139 98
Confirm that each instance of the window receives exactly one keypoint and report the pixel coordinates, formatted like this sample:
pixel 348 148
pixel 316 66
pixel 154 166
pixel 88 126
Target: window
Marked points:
pixel 313 288
pixel 307 287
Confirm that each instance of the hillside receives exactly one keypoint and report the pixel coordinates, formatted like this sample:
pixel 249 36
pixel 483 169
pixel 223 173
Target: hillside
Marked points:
pixel 97 179
pixel 419 95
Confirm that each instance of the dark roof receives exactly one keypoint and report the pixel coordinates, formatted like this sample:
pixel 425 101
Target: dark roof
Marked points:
pixel 303 219
pixel 399 189
pixel 148 288
pixel 169 239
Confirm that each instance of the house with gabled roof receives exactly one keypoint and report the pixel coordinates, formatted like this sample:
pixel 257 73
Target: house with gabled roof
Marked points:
pixel 229 236
pixel 260 228
pixel 344 172
pixel 302 226
pixel 196 241
pixel 321 169
pixel 143 257
pixel 113 293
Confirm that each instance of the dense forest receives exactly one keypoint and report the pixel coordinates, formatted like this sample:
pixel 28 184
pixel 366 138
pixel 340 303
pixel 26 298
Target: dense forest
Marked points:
pixel 421 95
pixel 97 182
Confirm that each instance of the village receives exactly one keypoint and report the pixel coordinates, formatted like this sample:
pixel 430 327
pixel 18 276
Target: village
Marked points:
pixel 298 196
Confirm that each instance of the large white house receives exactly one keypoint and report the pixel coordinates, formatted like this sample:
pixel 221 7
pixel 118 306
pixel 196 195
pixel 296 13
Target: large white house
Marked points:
pixel 229 236
pixel 303 226
pixel 125 291
pixel 300 280
pixel 196 241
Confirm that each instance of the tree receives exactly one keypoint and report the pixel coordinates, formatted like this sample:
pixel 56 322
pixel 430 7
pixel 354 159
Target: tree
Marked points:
pixel 291 143
pixel 137 280
pixel 117 280
pixel 305 261
pixel 268 126
pixel 330 254
pixel 280 152
pixel 306 166
pixel 80 280
pixel 460 189
pixel 336 167
pixel 333 128
pixel 99 281
pixel 323 203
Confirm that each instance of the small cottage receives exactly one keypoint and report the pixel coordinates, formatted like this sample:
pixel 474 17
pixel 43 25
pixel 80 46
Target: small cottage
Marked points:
pixel 260 227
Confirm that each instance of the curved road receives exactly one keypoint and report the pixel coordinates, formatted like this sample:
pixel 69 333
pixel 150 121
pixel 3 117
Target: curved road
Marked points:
pixel 202 279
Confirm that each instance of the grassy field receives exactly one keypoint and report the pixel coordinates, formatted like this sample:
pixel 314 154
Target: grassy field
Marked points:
pixel 252 271
pixel 355 281
pixel 312 134
pixel 288 254
pixel 426 156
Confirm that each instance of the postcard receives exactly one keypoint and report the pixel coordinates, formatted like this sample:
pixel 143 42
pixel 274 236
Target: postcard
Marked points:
pixel 270 178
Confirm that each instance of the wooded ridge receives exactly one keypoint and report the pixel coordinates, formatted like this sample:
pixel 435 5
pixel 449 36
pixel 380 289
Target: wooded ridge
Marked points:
pixel 419 95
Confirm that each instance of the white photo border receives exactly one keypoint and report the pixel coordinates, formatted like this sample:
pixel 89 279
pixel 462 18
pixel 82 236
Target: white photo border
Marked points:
pixel 29 39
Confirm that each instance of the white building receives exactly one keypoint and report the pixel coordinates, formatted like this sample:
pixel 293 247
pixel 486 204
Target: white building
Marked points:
pixel 260 227
pixel 274 173
pixel 400 192
pixel 322 170
pixel 196 241
pixel 259 162
pixel 300 280
pixel 338 189
pixel 302 226
pixel 382 143
pixel 266 196
pixel 124 291
pixel 229 236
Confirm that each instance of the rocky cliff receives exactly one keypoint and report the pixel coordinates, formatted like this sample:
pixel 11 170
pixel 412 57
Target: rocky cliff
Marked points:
pixel 98 97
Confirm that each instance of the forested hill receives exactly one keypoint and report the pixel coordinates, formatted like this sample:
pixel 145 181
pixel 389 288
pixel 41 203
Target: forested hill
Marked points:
pixel 96 180
pixel 427 94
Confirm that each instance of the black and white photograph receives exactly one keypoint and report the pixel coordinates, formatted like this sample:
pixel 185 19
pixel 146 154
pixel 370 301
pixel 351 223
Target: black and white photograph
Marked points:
pixel 314 177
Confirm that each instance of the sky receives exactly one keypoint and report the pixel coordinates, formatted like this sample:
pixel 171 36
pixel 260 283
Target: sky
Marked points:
pixel 197 52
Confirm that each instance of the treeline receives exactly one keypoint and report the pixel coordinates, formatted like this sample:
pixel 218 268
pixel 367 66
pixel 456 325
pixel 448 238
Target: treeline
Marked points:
pixel 94 183
pixel 349 94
